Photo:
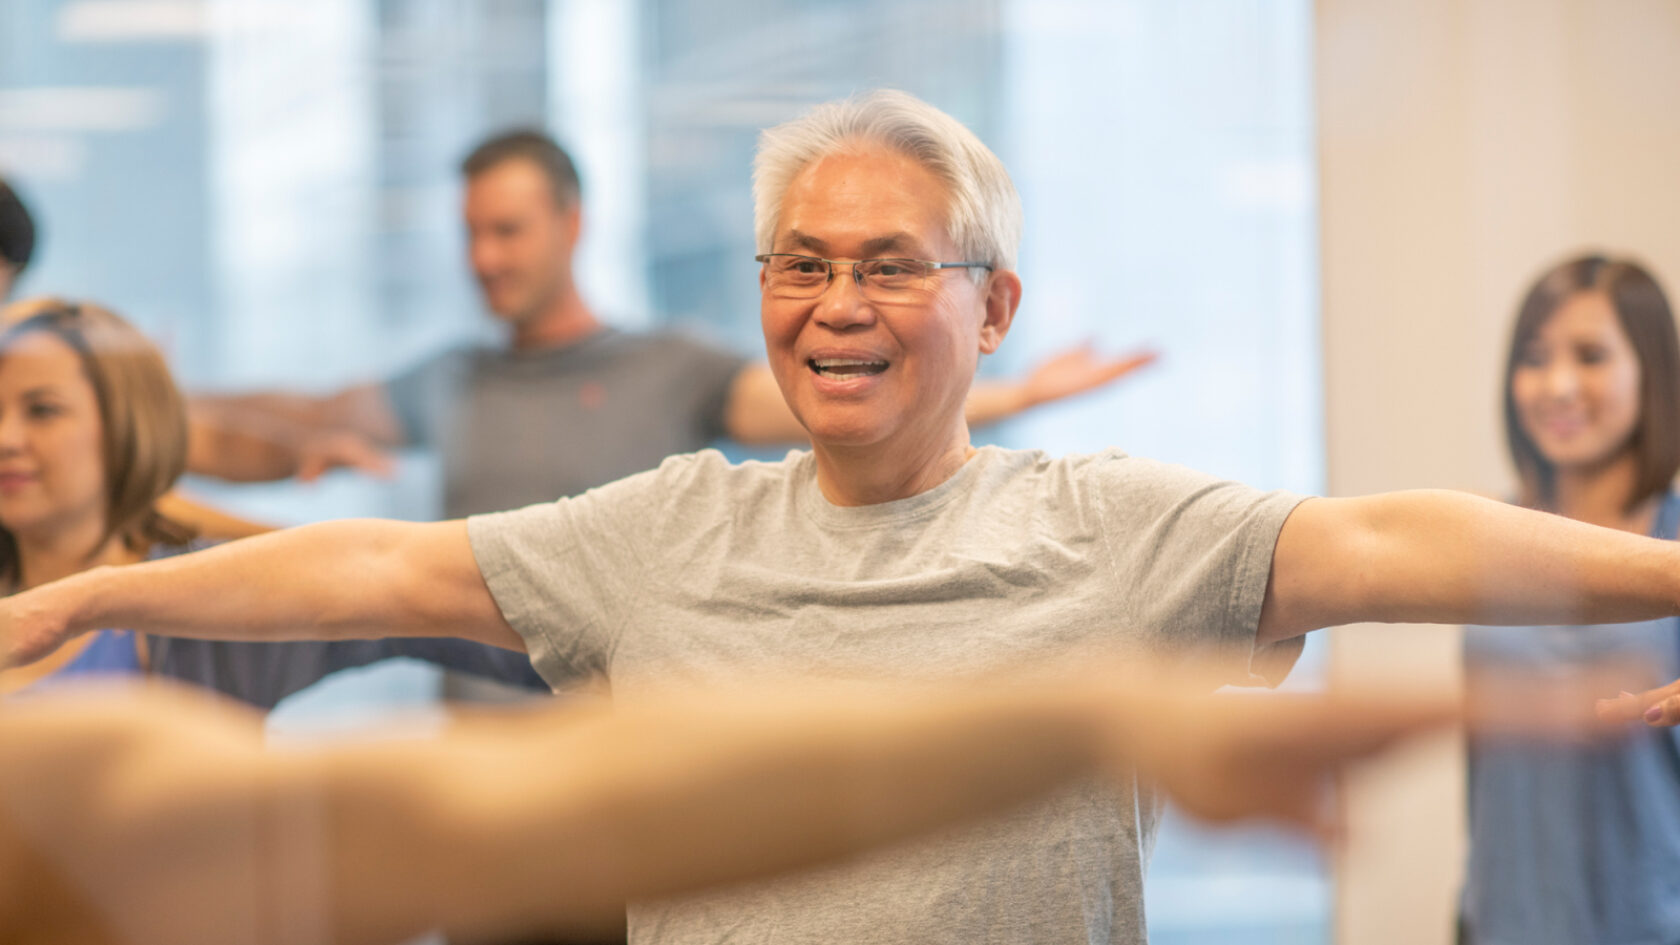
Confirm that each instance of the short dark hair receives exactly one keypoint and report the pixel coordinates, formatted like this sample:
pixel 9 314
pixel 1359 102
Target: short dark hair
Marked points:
pixel 528 144
pixel 17 230
pixel 1648 321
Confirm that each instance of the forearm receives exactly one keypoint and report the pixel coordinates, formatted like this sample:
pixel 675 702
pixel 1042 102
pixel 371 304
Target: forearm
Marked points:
pixel 992 401
pixel 153 818
pixel 757 414
pixel 210 522
pixel 1448 557
pixel 251 438
pixel 334 580
pixel 277 436
pixel 557 831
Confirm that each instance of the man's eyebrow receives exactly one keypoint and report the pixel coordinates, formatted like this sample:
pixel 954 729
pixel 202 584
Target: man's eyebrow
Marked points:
pixel 900 242
pixel 807 241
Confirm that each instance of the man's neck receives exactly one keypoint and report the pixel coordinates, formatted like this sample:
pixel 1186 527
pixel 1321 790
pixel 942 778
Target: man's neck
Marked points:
pixel 885 472
pixel 566 322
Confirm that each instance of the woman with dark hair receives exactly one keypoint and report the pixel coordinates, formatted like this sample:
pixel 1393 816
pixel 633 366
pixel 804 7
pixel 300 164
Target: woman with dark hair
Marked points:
pixel 1582 845
pixel 93 435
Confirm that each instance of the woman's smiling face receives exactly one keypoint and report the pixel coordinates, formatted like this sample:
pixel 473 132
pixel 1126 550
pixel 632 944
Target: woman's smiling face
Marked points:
pixel 1576 385
pixel 52 471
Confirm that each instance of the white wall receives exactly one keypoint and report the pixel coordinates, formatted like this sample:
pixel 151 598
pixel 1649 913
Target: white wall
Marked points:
pixel 1463 147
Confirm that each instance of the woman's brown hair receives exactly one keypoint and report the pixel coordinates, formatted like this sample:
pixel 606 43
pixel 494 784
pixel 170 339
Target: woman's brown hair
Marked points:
pixel 142 414
pixel 1644 314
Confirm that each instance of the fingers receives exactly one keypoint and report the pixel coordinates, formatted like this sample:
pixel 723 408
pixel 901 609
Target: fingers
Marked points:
pixel 1658 708
pixel 364 458
pixel 342 451
pixel 1664 713
pixel 1625 707
pixel 1135 361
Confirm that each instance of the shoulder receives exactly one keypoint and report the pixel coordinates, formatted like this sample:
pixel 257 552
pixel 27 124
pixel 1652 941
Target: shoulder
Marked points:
pixel 671 345
pixel 446 363
pixel 1117 485
pixel 708 475
pixel 684 489
pixel 1072 474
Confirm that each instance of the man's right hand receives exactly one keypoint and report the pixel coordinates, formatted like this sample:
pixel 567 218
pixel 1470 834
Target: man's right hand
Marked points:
pixel 33 623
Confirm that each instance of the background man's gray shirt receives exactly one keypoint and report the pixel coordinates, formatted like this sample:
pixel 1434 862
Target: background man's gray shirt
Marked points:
pixel 703 572
pixel 516 427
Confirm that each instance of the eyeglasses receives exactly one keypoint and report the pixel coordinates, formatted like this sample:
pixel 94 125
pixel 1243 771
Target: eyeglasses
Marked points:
pixel 792 276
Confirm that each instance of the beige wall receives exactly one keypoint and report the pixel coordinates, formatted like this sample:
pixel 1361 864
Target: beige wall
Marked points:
pixel 1464 145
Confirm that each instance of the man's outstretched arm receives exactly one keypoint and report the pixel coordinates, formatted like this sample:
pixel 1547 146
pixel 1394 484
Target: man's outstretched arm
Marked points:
pixel 351 579
pixel 1450 557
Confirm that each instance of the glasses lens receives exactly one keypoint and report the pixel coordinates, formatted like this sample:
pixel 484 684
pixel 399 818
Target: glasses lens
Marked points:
pixel 797 275
pixel 889 277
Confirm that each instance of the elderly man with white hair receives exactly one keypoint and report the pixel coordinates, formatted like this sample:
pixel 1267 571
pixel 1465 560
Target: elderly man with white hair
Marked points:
pixel 892 549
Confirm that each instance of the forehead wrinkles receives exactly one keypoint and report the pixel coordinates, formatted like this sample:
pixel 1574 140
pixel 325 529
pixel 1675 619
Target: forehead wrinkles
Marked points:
pixel 862 195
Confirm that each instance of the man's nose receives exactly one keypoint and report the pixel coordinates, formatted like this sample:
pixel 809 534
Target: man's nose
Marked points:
pixel 842 304
pixel 481 255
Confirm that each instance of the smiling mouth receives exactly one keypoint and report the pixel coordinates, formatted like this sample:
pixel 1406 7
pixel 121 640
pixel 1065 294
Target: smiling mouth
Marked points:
pixel 845 367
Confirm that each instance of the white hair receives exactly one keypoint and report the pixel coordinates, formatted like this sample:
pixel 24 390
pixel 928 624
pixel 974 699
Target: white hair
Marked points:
pixel 984 216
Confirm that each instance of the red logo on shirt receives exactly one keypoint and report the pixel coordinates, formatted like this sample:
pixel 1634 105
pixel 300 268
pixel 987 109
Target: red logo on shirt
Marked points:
pixel 592 395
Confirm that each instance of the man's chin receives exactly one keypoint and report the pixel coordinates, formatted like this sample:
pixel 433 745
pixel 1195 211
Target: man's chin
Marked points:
pixel 505 307
pixel 509 314
pixel 833 434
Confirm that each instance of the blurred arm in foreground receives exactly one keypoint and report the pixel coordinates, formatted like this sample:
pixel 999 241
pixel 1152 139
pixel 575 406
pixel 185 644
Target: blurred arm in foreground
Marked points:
pixel 116 811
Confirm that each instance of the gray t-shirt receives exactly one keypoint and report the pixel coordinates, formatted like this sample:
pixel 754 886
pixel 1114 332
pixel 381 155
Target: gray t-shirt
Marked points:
pixel 516 427
pixel 705 572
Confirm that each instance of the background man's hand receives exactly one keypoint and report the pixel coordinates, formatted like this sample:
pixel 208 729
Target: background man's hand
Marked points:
pixel 1078 370
pixel 341 449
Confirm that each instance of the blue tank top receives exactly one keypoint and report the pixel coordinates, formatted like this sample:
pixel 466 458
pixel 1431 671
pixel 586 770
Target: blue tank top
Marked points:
pixel 110 652
pixel 1577 845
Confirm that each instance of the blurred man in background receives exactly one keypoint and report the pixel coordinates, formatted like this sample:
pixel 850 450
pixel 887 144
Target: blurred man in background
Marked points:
pixel 568 403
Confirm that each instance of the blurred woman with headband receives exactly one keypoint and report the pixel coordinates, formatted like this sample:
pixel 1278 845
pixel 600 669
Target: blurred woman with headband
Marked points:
pixel 93 435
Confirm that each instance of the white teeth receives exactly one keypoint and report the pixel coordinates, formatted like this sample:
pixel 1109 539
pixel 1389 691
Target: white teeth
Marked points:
pixel 847 367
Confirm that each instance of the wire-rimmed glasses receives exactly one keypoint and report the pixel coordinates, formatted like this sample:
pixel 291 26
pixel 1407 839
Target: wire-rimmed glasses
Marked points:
pixel 794 276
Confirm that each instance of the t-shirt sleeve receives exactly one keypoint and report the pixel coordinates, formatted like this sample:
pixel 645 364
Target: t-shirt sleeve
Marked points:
pixel 562 573
pixel 1192 556
pixel 709 374
pixel 418 395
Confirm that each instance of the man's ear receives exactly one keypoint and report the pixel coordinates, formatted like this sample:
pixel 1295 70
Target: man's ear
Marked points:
pixel 1003 297
pixel 572 220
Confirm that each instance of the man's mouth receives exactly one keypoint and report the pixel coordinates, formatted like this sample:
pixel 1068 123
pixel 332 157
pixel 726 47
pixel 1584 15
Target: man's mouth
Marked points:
pixel 845 367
